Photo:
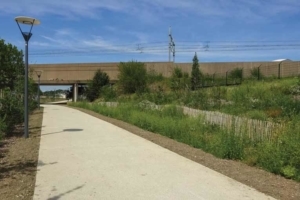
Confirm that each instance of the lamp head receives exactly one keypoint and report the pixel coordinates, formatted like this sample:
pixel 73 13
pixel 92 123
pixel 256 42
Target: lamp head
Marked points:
pixel 27 20
pixel 38 73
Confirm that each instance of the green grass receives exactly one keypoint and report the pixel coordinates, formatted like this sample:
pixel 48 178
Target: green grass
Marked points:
pixel 270 99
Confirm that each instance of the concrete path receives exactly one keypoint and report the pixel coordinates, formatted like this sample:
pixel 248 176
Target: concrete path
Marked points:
pixel 82 157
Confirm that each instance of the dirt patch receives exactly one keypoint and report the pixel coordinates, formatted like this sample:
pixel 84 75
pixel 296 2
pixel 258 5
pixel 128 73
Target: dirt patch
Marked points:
pixel 18 161
pixel 268 183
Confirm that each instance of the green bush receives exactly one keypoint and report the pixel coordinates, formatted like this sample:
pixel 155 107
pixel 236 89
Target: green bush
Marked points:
pixel 12 85
pixel 196 99
pixel 132 77
pixel 153 76
pixel 108 93
pixel 282 156
pixel 236 73
pixel 12 110
pixel 179 80
pixel 255 73
pixel 100 79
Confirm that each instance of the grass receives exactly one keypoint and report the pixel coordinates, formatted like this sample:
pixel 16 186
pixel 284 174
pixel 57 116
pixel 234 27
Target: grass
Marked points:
pixel 270 99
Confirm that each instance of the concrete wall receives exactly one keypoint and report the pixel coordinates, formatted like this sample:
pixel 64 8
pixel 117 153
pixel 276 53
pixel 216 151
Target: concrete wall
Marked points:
pixel 82 72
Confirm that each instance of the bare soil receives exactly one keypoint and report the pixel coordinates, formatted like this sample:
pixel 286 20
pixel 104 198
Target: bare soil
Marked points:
pixel 18 160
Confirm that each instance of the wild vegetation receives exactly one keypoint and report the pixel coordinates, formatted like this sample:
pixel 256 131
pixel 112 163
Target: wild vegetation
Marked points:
pixel 154 106
pixel 100 79
pixel 12 88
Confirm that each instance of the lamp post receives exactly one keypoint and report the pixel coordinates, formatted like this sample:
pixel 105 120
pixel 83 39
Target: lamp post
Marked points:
pixel 38 73
pixel 26 35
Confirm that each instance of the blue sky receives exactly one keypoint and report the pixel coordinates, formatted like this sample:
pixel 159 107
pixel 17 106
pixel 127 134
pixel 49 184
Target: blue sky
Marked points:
pixel 124 30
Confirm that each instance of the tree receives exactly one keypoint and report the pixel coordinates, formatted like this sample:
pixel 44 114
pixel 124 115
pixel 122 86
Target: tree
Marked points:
pixel 100 79
pixel 12 65
pixel 195 77
pixel 132 77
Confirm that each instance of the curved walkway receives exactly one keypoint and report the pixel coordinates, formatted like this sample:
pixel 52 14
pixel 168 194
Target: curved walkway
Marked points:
pixel 82 157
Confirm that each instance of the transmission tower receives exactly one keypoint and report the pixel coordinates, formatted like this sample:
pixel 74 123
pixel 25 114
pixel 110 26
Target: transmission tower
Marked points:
pixel 171 46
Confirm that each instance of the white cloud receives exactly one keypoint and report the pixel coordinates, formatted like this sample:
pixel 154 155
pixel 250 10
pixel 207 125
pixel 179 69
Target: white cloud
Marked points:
pixel 153 10
pixel 214 12
pixel 39 44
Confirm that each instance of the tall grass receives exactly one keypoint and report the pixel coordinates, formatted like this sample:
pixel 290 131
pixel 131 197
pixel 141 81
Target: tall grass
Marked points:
pixel 271 100
pixel 280 156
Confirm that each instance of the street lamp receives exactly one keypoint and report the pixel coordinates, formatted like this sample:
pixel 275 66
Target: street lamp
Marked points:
pixel 26 35
pixel 38 73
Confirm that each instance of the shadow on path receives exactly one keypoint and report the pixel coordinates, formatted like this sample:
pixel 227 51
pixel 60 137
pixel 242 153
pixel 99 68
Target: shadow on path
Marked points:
pixel 22 167
pixel 65 193
pixel 65 130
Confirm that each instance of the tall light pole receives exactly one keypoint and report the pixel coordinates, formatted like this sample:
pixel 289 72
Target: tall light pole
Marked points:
pixel 26 35
pixel 38 73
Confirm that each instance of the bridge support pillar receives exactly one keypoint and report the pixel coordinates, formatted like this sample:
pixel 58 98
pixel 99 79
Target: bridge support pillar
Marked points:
pixel 75 92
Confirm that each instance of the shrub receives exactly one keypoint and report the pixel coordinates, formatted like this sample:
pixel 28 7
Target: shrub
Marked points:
pixel 179 80
pixel 236 73
pixel 255 73
pixel 132 77
pixel 12 110
pixel 153 76
pixel 12 85
pixel 108 93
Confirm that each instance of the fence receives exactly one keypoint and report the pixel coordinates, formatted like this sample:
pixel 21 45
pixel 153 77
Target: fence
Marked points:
pixel 236 75
pixel 275 70
pixel 231 77
pixel 256 130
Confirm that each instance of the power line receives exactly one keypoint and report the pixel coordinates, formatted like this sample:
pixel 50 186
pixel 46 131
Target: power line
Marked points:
pixel 159 47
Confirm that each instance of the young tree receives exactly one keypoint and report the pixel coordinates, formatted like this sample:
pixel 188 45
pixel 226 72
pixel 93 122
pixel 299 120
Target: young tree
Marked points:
pixel 195 77
pixel 132 77
pixel 100 79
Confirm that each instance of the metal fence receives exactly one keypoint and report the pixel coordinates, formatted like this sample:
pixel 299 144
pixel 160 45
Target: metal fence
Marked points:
pixel 231 77
pixel 276 70
pixel 261 71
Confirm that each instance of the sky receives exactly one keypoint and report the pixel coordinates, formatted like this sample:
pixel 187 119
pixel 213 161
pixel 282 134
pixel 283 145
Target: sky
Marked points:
pixel 81 31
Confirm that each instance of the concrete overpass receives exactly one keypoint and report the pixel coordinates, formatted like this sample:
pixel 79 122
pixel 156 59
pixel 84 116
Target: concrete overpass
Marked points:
pixel 76 74
pixel 81 73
